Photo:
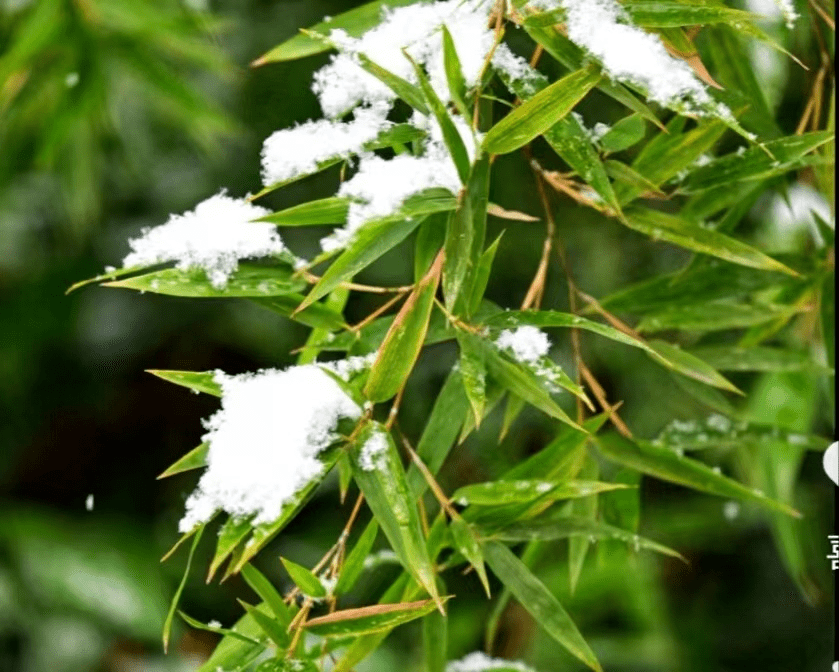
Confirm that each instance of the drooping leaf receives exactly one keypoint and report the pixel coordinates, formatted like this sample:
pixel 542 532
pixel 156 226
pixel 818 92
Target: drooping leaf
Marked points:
pixel 538 600
pixel 170 616
pixel 541 112
pixel 712 316
pixel 387 493
pixel 759 358
pixel 207 627
pixel 668 465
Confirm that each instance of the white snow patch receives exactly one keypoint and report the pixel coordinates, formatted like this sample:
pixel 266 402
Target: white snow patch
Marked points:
pixel 265 440
pixel 343 83
pixel 527 344
pixel 373 452
pixel 214 237
pixel 477 661
pixel 88 503
pixel 786 219
pixel 731 510
pixel 297 151
pixel 346 368
pixel 630 54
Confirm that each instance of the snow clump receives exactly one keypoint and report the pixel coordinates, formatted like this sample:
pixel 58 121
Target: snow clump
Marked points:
pixel 213 237
pixel 478 661
pixel 265 441
pixel 527 344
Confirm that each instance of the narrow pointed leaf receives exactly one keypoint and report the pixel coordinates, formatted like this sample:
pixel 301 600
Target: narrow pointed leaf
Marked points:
pixel 194 459
pixel 323 211
pixel 401 87
pixel 265 589
pixel 482 273
pixel 624 134
pixel 307 582
pixel 231 534
pixel 668 465
pixel 206 627
pixel 402 345
pixel 495 493
pixel 386 491
pixel 170 616
pixel 538 114
pixel 354 564
pixel 538 600
pixel 466 542
pixel 199 381
pixel 454 72
pixel 473 374
pixel 272 629
pixel 247 281
pixel 368 620
pixel 316 315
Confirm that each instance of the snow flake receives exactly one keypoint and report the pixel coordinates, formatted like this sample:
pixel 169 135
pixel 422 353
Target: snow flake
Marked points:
pixel 374 452
pixel 214 237
pixel 265 441
pixel 477 661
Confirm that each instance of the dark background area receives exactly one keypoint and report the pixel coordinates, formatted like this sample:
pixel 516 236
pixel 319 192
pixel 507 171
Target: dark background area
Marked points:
pixel 84 590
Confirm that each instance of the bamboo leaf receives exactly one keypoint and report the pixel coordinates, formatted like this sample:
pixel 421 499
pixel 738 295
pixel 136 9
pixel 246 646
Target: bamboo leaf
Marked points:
pixel 231 534
pixel 198 381
pixel 496 493
pixel 194 459
pixel 541 112
pixel 404 340
pixel 307 582
pixel 324 211
pixel 170 616
pixel 248 281
pixel 206 627
pixel 661 226
pixel 454 73
pixel 466 542
pixel 316 315
pixel 354 564
pixel 473 373
pixel 624 134
pixel 368 620
pixel 712 316
pixel 401 87
pixel 272 629
pixel 385 488
pixel 435 638
pixel 758 358
pixel 263 587
pixel 668 465
pixel 538 600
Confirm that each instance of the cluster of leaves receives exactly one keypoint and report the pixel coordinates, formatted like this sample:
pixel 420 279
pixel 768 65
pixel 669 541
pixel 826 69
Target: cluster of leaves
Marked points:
pixel 80 78
pixel 728 304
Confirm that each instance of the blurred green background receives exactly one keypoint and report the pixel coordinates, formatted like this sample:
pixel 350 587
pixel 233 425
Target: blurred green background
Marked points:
pixel 115 113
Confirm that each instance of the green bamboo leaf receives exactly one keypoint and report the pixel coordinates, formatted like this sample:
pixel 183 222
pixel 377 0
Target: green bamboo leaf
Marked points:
pixel 454 73
pixel 404 340
pixel 435 638
pixel 538 600
pixel 354 564
pixel 558 525
pixel 198 381
pixel 668 465
pixel 441 430
pixel 368 620
pixel 494 493
pixel 465 234
pixel 586 509
pixel 316 315
pixel 170 616
pixel 713 316
pixel 206 627
pixel 624 134
pixel 769 160
pixel 411 94
pixel 431 236
pixel 248 281
pixel 482 273
pixel 231 534
pixel 382 480
pixel 272 628
pixel 721 433
pixel 323 211
pixel 620 172
pixel 264 588
pixel 473 373
pixel 307 582
pixel 568 139
pixel 239 647
pixel 758 358
pixel 688 365
pixel 520 380
pixel 451 136
pixel 376 237
pixel 109 275
pixel 540 113
pixel 194 459
pixel 661 226
pixel 515 405
pixel 672 14
pixel 466 542
pixel 355 22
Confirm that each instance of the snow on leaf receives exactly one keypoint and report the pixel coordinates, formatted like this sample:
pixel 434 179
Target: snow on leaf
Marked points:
pixel 213 237
pixel 265 441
